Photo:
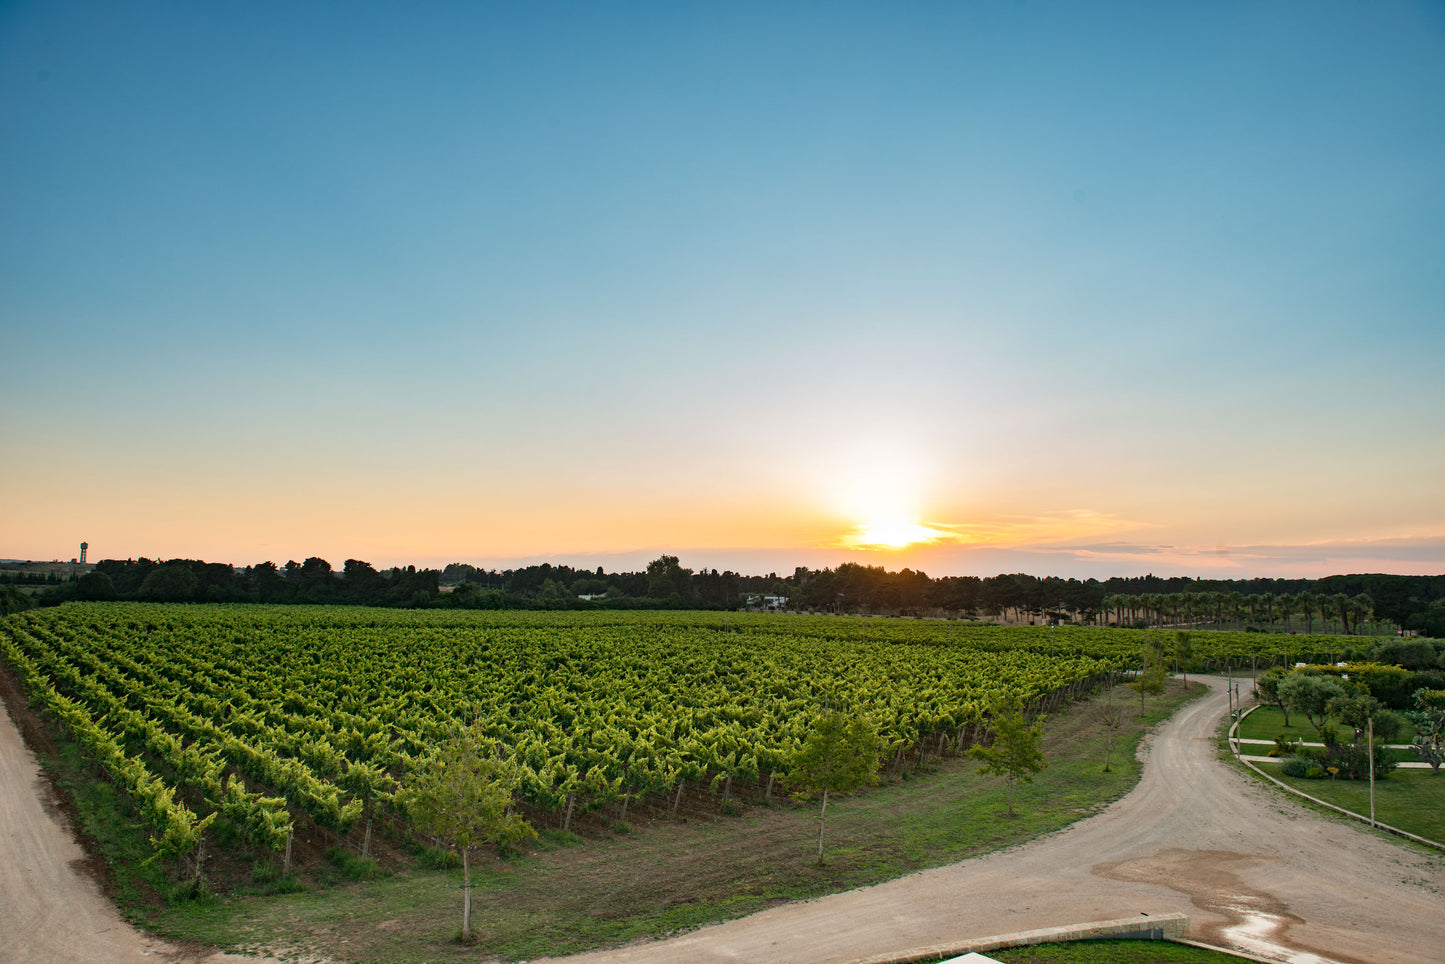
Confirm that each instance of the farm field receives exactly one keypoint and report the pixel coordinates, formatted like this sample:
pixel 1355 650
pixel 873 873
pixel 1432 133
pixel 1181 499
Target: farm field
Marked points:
pixel 266 731
pixel 661 876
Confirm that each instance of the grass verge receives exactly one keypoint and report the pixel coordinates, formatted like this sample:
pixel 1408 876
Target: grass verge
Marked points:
pixel 1111 952
pixel 666 877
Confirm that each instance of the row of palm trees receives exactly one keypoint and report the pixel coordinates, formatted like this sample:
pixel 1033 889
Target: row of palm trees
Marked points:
pixel 1351 615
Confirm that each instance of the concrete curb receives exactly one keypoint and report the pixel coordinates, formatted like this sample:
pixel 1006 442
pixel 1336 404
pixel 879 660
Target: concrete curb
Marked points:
pixel 1141 928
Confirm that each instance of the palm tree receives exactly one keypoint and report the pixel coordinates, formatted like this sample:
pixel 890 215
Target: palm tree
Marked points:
pixel 1340 603
pixel 1267 600
pixel 1363 608
pixel 1236 606
pixel 1305 605
pixel 1286 604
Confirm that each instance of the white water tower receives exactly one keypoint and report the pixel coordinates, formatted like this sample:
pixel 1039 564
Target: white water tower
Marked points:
pixel 83 546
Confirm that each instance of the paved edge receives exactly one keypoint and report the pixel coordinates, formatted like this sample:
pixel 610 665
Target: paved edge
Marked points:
pixel 1144 928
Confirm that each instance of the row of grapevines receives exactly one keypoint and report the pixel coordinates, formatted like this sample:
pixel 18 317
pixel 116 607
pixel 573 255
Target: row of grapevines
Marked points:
pixel 326 707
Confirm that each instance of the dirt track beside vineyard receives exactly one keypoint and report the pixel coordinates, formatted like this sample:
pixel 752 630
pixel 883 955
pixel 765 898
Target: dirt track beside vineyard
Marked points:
pixel 1252 870
pixel 53 910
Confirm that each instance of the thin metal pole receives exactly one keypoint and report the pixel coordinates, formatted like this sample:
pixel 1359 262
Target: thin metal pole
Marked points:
pixel 1372 771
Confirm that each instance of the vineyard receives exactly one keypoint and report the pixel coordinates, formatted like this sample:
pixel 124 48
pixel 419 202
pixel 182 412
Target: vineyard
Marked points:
pixel 268 718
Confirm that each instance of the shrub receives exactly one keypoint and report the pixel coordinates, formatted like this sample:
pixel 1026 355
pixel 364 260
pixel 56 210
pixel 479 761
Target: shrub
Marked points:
pixel 1293 766
pixel 565 838
pixel 1409 653
pixel 1284 746
pixel 353 866
pixel 1353 761
pixel 438 859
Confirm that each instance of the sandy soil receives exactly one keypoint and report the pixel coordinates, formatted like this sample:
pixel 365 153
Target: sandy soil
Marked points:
pixel 51 909
pixel 1252 870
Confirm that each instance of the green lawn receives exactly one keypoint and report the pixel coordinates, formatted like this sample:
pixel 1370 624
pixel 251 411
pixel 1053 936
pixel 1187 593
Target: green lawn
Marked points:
pixel 1267 722
pixel 1411 800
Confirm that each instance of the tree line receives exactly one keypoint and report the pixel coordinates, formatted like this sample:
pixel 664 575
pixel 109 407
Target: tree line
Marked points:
pixel 1349 604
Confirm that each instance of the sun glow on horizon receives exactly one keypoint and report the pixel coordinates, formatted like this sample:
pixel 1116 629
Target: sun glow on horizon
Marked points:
pixel 892 534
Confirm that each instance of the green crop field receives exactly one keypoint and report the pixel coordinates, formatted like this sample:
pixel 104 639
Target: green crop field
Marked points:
pixel 270 718
pixel 234 731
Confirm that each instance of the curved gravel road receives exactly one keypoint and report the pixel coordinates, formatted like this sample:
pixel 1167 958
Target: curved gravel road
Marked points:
pixel 1253 871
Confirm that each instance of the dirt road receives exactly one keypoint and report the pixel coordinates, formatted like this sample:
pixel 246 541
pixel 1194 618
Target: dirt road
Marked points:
pixel 50 909
pixel 1252 870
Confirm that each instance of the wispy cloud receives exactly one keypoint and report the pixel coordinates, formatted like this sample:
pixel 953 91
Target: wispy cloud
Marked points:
pixel 1383 554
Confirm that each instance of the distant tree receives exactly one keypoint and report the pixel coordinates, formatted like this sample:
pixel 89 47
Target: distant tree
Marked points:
pixel 1360 712
pixel 172 582
pixel 361 583
pixel 1409 653
pixel 1428 718
pixel 266 583
pixel 1305 605
pixel 1110 717
pixel 1183 652
pixel 1429 620
pixel 461 795
pixel 12 600
pixel 1266 689
pixel 1310 695
pixel 552 594
pixel 1154 676
pixel 666 576
pixel 317 580
pixel 1016 753
pixel 589 586
pixel 94 585
pixel 839 755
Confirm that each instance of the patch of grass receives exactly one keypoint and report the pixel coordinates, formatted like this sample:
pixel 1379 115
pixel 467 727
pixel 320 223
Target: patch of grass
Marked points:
pixel 1411 800
pixel 1111 952
pixel 438 858
pixel 671 876
pixel 135 878
pixel 552 839
pixel 353 866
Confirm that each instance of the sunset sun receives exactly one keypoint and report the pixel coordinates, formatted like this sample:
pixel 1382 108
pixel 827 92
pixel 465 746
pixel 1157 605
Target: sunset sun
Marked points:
pixel 891 534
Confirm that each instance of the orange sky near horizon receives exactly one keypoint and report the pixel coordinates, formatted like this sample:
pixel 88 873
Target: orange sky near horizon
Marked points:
pixel 1096 293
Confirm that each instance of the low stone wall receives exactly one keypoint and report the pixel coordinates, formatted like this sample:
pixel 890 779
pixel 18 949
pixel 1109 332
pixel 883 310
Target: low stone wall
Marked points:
pixel 1141 928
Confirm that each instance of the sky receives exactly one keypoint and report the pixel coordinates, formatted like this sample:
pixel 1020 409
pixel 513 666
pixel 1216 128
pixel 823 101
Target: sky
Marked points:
pixel 1076 289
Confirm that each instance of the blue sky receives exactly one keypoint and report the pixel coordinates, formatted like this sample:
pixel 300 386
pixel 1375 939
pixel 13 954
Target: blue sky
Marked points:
pixel 1080 288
